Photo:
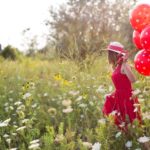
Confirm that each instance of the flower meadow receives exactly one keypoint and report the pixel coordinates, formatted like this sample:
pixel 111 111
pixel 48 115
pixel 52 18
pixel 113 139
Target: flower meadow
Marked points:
pixel 53 105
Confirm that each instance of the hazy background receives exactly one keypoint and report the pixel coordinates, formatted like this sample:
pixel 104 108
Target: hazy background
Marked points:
pixel 74 29
pixel 17 15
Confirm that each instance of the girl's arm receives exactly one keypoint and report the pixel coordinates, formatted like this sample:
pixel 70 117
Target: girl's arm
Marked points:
pixel 125 69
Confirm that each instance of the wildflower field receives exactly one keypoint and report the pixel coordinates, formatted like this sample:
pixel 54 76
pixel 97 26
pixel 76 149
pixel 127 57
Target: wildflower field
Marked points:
pixel 53 105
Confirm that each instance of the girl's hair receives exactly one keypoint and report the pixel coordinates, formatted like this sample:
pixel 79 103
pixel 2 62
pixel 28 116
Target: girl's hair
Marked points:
pixel 114 58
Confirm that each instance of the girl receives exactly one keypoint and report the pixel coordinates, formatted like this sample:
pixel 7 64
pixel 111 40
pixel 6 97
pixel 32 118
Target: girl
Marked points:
pixel 122 104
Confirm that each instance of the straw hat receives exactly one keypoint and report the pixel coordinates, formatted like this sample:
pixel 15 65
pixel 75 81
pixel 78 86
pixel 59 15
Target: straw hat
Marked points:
pixel 117 47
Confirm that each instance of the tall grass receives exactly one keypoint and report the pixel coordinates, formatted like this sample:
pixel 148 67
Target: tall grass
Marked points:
pixel 53 105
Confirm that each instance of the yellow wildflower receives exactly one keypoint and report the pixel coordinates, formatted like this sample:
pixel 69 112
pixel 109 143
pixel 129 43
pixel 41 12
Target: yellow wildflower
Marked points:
pixel 65 82
pixel 58 77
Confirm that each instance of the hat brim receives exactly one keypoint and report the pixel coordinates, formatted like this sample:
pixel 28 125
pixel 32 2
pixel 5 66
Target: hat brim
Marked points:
pixel 123 53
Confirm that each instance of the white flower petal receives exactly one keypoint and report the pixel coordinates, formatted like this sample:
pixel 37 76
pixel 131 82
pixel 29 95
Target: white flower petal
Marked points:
pixel 96 146
pixel 35 141
pixel 144 139
pixel 128 144
pixel 118 134
pixel 34 146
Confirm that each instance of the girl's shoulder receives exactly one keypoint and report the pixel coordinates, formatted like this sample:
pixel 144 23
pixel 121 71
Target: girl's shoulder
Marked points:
pixel 126 69
pixel 124 66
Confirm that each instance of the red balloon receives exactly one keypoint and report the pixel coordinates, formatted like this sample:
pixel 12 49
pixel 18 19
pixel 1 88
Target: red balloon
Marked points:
pixel 145 38
pixel 142 62
pixel 136 39
pixel 140 16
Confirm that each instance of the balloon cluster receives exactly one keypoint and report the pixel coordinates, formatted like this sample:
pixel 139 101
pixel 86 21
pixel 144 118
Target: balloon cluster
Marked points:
pixel 140 21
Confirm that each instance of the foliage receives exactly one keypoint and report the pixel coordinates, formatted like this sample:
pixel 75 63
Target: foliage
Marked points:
pixel 30 42
pixel 81 28
pixel 10 52
pixel 46 53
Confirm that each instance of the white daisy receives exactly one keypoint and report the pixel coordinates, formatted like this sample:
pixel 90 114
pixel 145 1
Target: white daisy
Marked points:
pixel 14 134
pixel 35 141
pixel 5 123
pixel 25 120
pixel 45 94
pixel 2 124
pixel 13 149
pixel 34 105
pixel 10 99
pixel 74 93
pixel 5 135
pixel 18 103
pixel 79 98
pixel 136 92
pixel 82 105
pixel 66 103
pixel 7 120
pixel 128 144
pixel 100 89
pixel 118 134
pixel 27 95
pixel 144 139
pixel 68 110
pixel 91 103
pixel 8 141
pixel 146 115
pixel 21 128
pixel 34 146
pixel 96 146
pixel 11 107
pixel 102 121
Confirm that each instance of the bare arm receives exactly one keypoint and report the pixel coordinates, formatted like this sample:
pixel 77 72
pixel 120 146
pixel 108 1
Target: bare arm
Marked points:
pixel 125 69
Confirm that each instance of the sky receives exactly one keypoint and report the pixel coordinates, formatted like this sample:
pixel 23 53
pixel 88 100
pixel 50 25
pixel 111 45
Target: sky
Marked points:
pixel 17 15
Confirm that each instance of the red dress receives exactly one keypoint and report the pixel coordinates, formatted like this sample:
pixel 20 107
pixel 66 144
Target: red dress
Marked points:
pixel 119 103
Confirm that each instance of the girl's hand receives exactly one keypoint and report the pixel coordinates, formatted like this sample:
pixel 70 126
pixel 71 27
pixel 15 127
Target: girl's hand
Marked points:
pixel 125 57
pixel 125 69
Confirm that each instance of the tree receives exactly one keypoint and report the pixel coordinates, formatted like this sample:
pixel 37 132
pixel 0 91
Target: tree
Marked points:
pixel 10 52
pixel 29 42
pixel 84 27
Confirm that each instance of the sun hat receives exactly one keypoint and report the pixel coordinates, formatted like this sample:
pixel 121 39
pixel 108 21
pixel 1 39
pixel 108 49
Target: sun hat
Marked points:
pixel 117 47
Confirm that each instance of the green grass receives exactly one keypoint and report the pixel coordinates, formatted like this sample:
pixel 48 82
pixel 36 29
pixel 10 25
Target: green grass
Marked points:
pixel 42 86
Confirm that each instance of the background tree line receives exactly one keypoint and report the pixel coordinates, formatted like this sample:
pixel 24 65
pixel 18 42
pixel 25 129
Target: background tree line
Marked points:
pixel 80 29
